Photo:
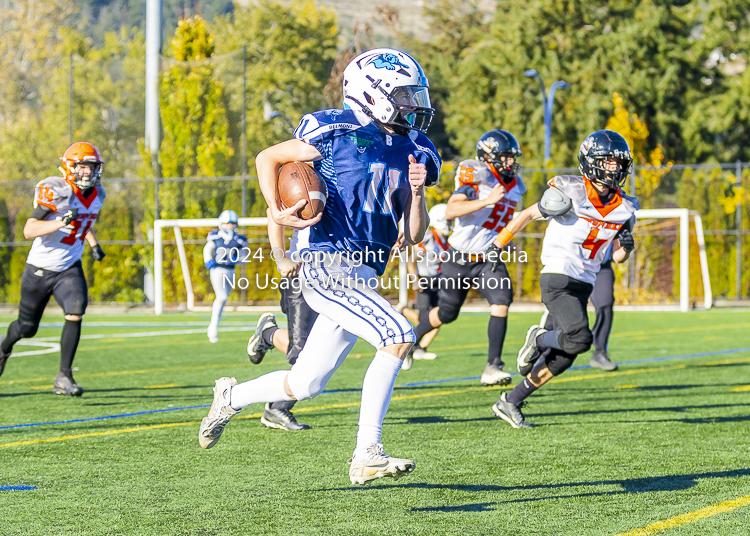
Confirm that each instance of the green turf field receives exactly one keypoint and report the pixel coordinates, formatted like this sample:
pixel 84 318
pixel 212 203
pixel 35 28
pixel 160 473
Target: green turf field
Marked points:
pixel 614 452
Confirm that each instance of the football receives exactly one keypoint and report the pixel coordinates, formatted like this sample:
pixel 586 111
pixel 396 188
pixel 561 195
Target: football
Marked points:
pixel 297 181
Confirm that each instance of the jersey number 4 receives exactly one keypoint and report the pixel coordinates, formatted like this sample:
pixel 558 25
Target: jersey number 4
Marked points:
pixel 71 238
pixel 592 244
pixel 377 193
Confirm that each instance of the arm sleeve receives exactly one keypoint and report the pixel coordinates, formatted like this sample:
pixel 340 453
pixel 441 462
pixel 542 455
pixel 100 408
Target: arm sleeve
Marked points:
pixel 428 155
pixel 41 212
pixel 208 251
pixel 318 129
pixel 467 190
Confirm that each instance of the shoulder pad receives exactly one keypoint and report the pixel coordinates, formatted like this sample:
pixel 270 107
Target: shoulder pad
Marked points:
pixel 320 126
pixel 242 239
pixel 212 235
pixel 52 192
pixel 101 194
pixel 554 202
pixel 571 185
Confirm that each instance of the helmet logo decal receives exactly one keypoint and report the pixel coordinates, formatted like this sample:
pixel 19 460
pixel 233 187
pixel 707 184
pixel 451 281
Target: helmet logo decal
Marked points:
pixel 387 61
pixel 489 144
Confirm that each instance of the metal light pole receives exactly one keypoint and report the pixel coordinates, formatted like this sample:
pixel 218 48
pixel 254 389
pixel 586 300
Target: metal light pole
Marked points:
pixel 547 103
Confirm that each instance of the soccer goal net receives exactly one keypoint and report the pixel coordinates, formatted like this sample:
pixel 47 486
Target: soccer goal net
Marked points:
pixel 658 274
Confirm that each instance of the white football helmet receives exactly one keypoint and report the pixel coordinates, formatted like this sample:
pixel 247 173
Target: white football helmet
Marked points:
pixel 389 86
pixel 227 217
pixel 438 221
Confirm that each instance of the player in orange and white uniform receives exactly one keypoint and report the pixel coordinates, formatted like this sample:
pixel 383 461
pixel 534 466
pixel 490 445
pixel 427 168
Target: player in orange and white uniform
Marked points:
pixel 428 255
pixel 488 189
pixel 586 214
pixel 65 210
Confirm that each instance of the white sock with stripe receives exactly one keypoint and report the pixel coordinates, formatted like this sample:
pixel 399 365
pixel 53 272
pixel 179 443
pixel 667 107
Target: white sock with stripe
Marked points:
pixel 267 388
pixel 377 390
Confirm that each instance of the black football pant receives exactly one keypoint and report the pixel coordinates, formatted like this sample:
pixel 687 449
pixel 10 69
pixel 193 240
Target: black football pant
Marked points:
pixel 566 300
pixel 300 319
pixel 603 300
pixel 37 287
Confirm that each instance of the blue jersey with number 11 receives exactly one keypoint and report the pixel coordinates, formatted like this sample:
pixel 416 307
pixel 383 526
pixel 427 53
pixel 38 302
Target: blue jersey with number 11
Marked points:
pixel 366 171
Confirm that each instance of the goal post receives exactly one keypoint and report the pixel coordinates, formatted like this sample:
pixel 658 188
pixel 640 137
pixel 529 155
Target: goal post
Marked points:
pixel 684 214
pixel 177 225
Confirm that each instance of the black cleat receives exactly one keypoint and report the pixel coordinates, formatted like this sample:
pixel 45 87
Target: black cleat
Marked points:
pixel 283 419
pixel 529 353
pixel 3 356
pixel 510 413
pixel 601 360
pixel 66 385
pixel 256 346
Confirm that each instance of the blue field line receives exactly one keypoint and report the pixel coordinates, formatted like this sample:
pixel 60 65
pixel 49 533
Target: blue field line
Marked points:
pixel 16 488
pixel 405 385
pixel 581 367
pixel 104 417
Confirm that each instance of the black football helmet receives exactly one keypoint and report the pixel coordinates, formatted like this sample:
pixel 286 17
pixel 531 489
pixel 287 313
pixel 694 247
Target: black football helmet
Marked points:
pixel 496 143
pixel 601 145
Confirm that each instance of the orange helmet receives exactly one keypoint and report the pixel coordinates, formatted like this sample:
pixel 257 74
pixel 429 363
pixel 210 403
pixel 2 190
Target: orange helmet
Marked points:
pixel 82 152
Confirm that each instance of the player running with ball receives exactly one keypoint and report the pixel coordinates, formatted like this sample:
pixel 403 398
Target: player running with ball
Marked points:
pixel 376 161
pixel 585 215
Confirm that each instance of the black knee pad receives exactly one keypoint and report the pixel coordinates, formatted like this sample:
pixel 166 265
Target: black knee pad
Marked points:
pixel 27 330
pixel 557 362
pixel 448 312
pixel 578 341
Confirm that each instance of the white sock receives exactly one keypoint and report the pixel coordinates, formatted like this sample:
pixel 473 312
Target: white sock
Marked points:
pixel 377 390
pixel 216 309
pixel 267 388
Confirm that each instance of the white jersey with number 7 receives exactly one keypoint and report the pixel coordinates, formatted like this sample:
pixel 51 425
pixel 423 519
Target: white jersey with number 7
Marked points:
pixel 59 250
pixel 475 232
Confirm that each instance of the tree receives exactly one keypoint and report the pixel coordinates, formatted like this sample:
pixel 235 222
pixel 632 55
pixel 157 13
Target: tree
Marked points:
pixel 291 48
pixel 641 49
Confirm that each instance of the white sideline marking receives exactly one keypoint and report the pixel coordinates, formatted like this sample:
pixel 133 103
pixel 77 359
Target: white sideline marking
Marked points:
pixel 49 347
pixel 147 333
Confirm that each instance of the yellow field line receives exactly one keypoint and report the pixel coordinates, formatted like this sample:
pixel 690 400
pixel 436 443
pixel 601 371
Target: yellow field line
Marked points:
pixel 690 517
pixel 253 416
pixel 740 389
pixel 338 406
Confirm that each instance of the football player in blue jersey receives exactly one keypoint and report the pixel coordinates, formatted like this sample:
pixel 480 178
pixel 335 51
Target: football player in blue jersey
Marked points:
pixel 224 248
pixel 375 160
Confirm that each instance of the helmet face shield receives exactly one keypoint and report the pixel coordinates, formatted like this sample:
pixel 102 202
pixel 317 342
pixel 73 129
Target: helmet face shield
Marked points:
pixel 611 172
pixel 412 104
pixel 411 96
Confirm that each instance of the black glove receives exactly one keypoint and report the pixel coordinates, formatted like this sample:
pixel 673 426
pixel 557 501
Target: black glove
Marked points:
pixel 97 252
pixel 69 215
pixel 492 255
pixel 627 242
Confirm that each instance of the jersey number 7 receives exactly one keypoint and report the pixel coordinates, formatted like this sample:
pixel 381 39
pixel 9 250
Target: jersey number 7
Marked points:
pixel 71 238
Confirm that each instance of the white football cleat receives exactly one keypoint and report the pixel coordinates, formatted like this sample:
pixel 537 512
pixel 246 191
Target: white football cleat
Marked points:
pixel 421 353
pixel 494 375
pixel 373 463
pixel 219 414
pixel 408 360
pixel 213 334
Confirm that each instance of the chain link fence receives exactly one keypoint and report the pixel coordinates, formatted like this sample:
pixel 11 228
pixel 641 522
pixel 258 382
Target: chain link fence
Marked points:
pixel 716 191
